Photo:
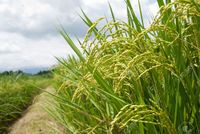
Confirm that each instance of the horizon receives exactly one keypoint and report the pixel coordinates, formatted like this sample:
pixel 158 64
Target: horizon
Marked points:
pixel 30 70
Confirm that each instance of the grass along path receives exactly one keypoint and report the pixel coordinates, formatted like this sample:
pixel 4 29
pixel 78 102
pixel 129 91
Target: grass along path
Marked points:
pixel 36 120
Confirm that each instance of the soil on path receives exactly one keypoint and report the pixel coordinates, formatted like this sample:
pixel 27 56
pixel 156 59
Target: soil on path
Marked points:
pixel 36 120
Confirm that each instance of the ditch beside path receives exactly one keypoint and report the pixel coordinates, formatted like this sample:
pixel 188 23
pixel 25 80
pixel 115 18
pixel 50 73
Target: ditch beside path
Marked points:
pixel 36 120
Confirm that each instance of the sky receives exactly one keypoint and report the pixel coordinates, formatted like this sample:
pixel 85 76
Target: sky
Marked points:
pixel 29 39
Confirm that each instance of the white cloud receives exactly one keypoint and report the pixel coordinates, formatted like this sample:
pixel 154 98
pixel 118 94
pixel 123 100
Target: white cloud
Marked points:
pixel 99 8
pixel 28 36
pixel 36 17
pixel 27 53
pixel 9 48
pixel 154 8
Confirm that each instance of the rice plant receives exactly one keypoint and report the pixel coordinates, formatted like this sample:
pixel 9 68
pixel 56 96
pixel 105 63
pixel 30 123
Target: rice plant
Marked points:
pixel 134 79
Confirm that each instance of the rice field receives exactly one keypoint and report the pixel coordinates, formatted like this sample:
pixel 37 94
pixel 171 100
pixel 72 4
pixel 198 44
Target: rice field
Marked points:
pixel 128 78
pixel 17 91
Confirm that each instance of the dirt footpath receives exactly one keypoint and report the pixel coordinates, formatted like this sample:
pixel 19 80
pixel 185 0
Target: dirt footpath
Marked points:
pixel 36 120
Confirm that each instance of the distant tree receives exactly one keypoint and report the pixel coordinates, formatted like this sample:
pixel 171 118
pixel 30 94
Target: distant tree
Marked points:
pixel 46 73
pixel 12 72
pixel 7 73
pixel 19 72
